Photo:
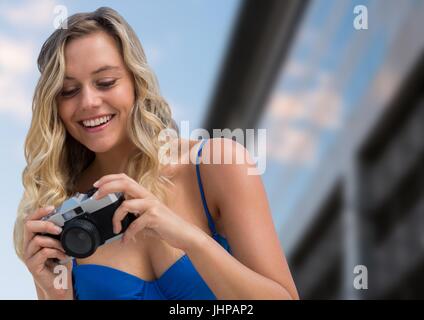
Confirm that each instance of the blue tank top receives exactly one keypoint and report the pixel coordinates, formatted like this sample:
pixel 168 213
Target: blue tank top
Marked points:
pixel 180 281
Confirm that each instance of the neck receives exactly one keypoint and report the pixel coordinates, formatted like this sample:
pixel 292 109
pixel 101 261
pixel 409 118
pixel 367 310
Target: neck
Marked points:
pixel 112 161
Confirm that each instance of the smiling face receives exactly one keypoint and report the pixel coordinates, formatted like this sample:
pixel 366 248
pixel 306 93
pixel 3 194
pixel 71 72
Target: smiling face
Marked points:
pixel 97 84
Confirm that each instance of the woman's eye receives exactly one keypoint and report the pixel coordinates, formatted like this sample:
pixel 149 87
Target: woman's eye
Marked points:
pixel 68 93
pixel 106 84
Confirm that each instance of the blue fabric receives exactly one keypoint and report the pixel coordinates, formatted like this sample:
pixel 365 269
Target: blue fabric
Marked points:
pixel 180 281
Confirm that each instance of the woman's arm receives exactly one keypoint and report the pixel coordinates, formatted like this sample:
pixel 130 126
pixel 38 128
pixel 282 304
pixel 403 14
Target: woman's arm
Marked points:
pixel 40 294
pixel 65 294
pixel 258 268
pixel 38 250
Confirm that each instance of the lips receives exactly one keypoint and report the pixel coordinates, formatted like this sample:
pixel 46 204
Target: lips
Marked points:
pixel 97 128
pixel 96 117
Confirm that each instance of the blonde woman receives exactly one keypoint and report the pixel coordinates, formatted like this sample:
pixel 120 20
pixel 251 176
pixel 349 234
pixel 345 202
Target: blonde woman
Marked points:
pixel 201 232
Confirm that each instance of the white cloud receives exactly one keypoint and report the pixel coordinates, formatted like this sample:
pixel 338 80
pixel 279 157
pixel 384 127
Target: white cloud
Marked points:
pixel 325 104
pixel 320 107
pixel 288 107
pixel 15 56
pixel 15 101
pixel 29 14
pixel 292 145
pixel 18 55
pixel 295 69
pixel 16 65
pixel 296 119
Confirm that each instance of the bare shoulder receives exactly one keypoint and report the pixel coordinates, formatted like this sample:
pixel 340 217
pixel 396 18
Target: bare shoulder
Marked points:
pixel 226 162
pixel 245 213
pixel 182 153
pixel 185 175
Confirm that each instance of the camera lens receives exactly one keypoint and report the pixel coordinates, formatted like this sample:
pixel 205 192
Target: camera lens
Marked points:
pixel 78 241
pixel 80 238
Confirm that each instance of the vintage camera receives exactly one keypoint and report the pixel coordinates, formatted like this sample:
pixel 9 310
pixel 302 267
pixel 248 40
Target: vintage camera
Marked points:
pixel 87 223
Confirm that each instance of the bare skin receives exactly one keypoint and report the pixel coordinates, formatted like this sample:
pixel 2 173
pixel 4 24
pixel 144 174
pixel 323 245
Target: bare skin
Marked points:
pixel 83 97
pixel 148 258
pixel 257 267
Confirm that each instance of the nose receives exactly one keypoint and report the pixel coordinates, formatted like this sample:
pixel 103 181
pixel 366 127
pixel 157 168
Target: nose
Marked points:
pixel 90 98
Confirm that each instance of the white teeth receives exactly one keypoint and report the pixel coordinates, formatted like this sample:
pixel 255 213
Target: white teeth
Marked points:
pixel 96 122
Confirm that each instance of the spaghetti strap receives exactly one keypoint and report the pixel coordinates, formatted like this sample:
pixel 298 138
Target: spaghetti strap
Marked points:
pixel 202 193
pixel 181 281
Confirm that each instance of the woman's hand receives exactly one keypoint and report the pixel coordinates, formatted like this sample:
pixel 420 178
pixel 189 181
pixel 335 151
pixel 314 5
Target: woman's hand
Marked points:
pixel 153 217
pixel 39 252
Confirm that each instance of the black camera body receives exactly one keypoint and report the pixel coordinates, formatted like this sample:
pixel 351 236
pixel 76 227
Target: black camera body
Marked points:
pixel 87 223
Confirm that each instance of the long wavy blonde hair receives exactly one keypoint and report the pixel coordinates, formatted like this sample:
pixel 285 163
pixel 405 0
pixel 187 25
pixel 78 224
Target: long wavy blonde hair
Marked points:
pixel 55 160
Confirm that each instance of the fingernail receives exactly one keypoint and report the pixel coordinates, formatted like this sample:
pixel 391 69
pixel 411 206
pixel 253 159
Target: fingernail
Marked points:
pixel 58 229
pixel 49 208
pixel 95 195
pixel 95 184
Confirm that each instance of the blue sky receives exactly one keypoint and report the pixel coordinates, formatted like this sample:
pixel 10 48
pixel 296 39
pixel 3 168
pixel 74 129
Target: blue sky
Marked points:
pixel 310 80
pixel 184 42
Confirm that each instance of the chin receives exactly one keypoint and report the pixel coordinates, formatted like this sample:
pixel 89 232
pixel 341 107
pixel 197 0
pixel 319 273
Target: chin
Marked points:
pixel 100 147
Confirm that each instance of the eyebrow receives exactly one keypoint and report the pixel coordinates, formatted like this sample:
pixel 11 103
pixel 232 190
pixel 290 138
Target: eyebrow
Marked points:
pixel 101 69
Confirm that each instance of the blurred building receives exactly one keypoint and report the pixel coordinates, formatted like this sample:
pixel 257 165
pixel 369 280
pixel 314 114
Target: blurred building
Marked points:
pixel 344 110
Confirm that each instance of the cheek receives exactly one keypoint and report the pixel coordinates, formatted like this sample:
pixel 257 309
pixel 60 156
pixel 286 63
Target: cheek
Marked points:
pixel 123 98
pixel 65 112
pixel 64 116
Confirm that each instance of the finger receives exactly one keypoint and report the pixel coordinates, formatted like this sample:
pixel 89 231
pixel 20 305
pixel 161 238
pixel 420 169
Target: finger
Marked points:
pixel 120 176
pixel 129 187
pixel 136 206
pixel 32 227
pixel 116 185
pixel 39 259
pixel 110 177
pixel 38 226
pixel 37 215
pixel 144 221
pixel 39 242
